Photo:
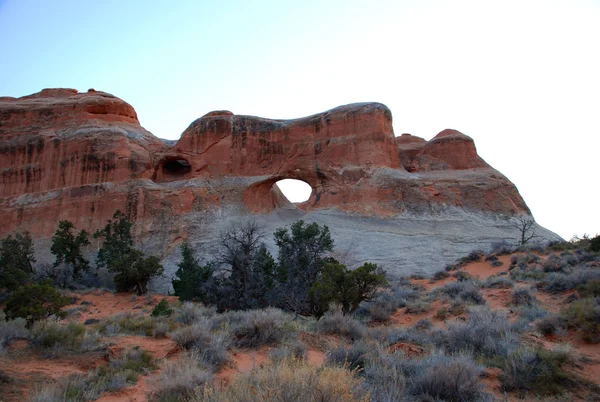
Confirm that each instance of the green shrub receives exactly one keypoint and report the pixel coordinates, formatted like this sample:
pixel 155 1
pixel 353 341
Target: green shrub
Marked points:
pixel 132 324
pixel 523 297
pixel 53 335
pixel 162 309
pixel 349 288
pixel 595 244
pixel 34 302
pixel 584 315
pixel 590 288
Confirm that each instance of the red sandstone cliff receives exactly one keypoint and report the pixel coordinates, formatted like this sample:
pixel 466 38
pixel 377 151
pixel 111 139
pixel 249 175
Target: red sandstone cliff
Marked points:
pixel 80 156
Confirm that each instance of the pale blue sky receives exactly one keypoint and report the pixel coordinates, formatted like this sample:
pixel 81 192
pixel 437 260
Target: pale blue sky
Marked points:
pixel 520 77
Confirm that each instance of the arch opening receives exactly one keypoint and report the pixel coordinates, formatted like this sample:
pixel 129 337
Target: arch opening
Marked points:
pixel 175 167
pixel 296 191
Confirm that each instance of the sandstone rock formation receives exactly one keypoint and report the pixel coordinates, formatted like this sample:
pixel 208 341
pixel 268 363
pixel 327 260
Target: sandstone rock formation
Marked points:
pixel 81 156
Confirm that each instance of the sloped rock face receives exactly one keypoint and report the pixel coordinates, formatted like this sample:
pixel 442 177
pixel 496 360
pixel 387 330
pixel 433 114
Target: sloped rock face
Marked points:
pixel 81 156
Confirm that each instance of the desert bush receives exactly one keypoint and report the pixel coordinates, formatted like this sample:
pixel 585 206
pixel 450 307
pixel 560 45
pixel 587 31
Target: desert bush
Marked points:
pixel 335 322
pixel 529 313
pixel 439 275
pixel 417 307
pixel 291 380
pixel 162 309
pixel 436 377
pixel 485 332
pixel 447 378
pixel 256 328
pixel 464 291
pixel 133 324
pixel 57 338
pixel 590 289
pixel 190 312
pixel 538 372
pixel 13 329
pixel 502 248
pixel 473 256
pixel 295 350
pixel 195 336
pixel 451 267
pixel 522 297
pixel 491 258
pixel 181 379
pixel 527 274
pixel 559 282
pixel 584 315
pixel 554 263
pixel 496 264
pixel 423 325
pixel 386 383
pixel 495 282
pixel 211 346
pixel 551 324
pixel 442 314
pixel 353 358
pixel 383 306
pixel 462 276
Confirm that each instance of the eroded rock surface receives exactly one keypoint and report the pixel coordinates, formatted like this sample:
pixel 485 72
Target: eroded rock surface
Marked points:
pixel 81 156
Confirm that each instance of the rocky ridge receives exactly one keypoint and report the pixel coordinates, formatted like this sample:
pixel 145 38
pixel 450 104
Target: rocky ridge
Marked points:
pixel 406 203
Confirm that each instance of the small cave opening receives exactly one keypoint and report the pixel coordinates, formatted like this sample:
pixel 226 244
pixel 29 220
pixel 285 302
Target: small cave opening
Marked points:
pixel 296 191
pixel 176 167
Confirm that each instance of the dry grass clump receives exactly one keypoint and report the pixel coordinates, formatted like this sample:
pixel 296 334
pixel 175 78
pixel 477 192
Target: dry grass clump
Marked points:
pixel 335 322
pixel 134 324
pixel 181 379
pixel 212 346
pixel 290 380
pixel 255 328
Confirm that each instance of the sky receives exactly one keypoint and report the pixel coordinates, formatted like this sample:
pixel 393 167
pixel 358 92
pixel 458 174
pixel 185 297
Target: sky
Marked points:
pixel 522 78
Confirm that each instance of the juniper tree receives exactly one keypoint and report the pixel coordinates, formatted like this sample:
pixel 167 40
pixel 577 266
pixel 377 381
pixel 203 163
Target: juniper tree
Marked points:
pixel 16 260
pixel 190 276
pixel 66 246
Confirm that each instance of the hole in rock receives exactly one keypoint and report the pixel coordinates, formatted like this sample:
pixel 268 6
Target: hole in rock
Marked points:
pixel 295 191
pixel 176 167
